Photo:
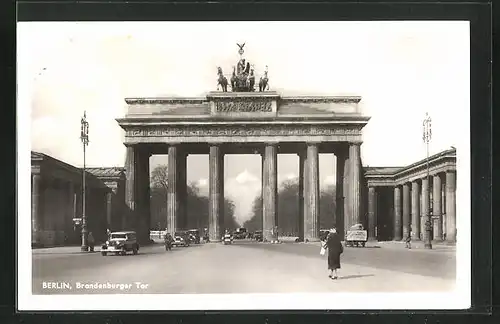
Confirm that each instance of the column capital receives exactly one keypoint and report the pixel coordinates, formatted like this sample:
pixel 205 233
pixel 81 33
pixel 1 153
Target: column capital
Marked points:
pixel 313 143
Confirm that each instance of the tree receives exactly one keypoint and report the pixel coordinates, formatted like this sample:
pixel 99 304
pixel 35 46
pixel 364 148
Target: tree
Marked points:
pixel 158 201
pixel 327 208
pixel 255 223
pixel 288 209
pixel 197 205
pixel 159 177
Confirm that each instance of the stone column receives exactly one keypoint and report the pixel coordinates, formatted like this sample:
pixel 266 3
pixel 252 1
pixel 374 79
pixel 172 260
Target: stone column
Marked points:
pixel 355 184
pixel 415 210
pixel 436 209
pixel 451 229
pixel 372 218
pixel 130 186
pixel 216 193
pixel 35 209
pixel 109 209
pixel 311 218
pixel 142 208
pixel 270 199
pixel 341 157
pixel 306 204
pixel 182 221
pixel 397 213
pixel 346 189
pixel 172 196
pixel 406 211
pixel 302 161
pixel 425 206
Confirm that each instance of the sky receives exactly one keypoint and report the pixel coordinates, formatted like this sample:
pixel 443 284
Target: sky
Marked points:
pixel 400 69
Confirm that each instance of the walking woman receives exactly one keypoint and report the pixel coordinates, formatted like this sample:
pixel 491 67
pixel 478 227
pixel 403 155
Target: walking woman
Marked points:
pixel 335 249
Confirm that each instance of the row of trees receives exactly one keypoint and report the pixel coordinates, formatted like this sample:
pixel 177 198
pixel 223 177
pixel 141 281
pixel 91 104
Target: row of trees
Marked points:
pixel 196 204
pixel 288 209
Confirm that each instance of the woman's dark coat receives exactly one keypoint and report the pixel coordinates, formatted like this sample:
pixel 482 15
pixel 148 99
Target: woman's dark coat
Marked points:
pixel 335 249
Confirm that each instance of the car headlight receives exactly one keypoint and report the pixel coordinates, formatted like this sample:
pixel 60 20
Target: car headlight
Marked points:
pixel 107 242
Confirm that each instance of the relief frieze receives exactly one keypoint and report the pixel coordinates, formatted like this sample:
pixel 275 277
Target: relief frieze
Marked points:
pixel 340 100
pixel 243 130
pixel 243 106
pixel 163 101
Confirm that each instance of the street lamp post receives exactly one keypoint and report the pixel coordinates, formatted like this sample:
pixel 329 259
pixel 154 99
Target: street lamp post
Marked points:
pixel 427 135
pixel 84 136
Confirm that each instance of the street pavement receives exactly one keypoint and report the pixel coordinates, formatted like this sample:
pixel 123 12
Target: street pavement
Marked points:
pixel 243 267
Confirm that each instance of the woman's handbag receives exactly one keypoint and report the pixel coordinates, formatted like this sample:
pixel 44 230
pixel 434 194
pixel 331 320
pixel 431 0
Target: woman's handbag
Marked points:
pixel 323 249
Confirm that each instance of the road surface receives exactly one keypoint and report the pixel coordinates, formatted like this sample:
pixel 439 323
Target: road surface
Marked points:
pixel 244 267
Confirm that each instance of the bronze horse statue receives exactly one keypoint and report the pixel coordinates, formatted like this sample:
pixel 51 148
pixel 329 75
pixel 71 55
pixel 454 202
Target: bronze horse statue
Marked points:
pixel 233 79
pixel 264 83
pixel 222 81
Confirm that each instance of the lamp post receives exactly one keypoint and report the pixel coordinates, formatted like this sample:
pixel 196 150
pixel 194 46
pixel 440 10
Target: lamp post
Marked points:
pixel 426 136
pixel 84 137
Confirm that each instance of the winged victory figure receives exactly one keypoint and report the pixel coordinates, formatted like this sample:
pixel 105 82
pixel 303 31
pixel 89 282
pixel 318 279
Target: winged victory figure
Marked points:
pixel 241 48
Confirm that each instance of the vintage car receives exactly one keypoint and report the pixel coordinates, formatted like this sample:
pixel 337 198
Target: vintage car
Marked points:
pixel 181 239
pixel 194 236
pixel 240 233
pixel 258 236
pixel 356 236
pixel 120 243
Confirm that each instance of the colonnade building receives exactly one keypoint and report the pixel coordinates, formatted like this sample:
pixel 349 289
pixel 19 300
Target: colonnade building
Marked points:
pixel 399 198
pixel 56 199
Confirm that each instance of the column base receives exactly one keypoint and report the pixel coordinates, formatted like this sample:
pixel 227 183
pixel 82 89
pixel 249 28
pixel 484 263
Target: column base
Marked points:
pixel 428 246
pixel 84 248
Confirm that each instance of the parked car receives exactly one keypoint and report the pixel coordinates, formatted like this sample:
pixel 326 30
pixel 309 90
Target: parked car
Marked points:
pixel 181 239
pixel 356 236
pixel 194 236
pixel 258 236
pixel 120 243
pixel 240 233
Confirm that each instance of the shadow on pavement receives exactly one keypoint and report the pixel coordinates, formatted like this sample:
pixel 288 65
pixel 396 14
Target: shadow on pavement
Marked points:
pixel 355 276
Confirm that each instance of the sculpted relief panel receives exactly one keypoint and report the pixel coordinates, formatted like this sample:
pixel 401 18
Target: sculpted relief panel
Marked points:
pixel 243 106
pixel 242 130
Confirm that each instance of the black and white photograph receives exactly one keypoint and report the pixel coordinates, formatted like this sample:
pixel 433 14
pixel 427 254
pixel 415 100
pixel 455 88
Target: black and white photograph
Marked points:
pixel 244 165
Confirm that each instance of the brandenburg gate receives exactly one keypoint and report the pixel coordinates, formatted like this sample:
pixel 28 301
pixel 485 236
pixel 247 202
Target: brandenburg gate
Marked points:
pixel 249 119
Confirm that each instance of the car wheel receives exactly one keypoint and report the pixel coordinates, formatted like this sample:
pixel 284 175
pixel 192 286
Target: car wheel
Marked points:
pixel 104 253
pixel 134 251
pixel 117 253
pixel 123 252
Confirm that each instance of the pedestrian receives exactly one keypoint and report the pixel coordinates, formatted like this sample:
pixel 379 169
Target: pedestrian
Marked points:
pixel 91 241
pixel 168 241
pixel 335 249
pixel 408 239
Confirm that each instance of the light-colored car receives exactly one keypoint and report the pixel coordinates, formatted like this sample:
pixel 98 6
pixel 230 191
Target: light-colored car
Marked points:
pixel 120 243
pixel 356 236
pixel 181 239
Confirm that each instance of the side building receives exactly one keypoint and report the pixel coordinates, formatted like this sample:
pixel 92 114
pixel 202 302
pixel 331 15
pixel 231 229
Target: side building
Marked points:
pixel 56 199
pixel 397 199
